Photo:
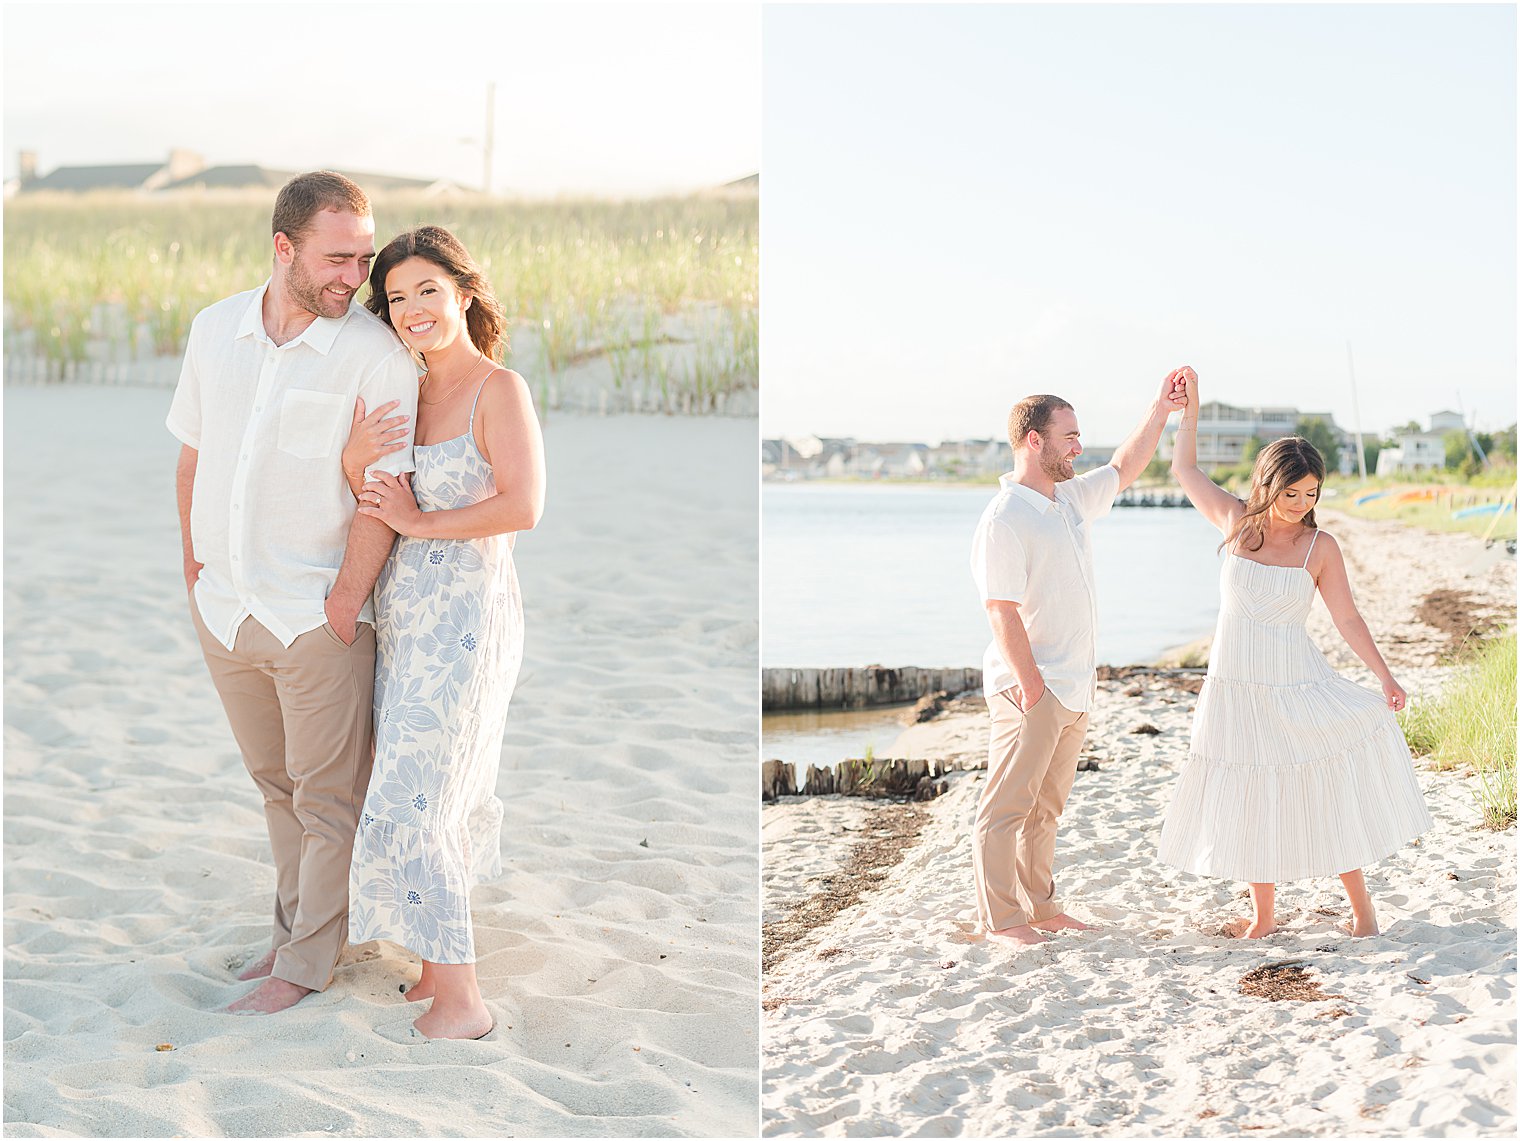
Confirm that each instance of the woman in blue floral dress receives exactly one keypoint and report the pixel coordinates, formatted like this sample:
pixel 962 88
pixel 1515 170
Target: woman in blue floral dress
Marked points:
pixel 448 620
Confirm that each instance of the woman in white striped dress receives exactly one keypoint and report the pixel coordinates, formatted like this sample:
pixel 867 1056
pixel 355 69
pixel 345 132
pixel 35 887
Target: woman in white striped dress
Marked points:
pixel 1293 772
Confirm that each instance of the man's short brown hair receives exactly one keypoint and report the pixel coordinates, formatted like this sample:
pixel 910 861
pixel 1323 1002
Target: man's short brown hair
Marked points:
pixel 1032 414
pixel 303 196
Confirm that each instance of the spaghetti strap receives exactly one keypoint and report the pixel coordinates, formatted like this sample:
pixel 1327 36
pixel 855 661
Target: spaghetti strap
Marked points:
pixel 478 391
pixel 1310 551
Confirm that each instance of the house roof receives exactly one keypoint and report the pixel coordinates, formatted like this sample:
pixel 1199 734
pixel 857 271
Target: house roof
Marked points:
pixel 124 176
pixel 251 176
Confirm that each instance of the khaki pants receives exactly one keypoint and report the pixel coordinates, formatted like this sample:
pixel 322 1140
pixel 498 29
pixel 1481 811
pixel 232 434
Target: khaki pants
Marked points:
pixel 1031 762
pixel 302 718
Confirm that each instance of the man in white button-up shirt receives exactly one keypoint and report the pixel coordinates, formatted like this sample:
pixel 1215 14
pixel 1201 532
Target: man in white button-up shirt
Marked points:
pixel 279 565
pixel 1031 557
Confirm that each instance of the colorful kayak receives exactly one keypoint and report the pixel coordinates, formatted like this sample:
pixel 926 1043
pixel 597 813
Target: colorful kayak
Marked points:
pixel 1481 509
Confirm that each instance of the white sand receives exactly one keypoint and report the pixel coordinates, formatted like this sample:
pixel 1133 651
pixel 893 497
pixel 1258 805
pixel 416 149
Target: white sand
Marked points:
pixel 137 869
pixel 919 1029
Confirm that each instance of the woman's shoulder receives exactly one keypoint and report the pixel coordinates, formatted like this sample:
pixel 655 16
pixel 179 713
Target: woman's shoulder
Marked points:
pixel 1322 547
pixel 1323 538
pixel 502 382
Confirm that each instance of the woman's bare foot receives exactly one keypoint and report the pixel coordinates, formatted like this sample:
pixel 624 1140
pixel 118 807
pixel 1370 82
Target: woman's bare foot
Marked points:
pixel 1247 929
pixel 1024 935
pixel 471 1023
pixel 425 987
pixel 259 970
pixel 1062 922
pixel 270 997
pixel 1363 916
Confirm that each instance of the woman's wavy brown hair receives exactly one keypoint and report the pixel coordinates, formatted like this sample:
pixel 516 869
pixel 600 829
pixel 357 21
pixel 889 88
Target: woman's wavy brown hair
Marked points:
pixel 1278 465
pixel 483 319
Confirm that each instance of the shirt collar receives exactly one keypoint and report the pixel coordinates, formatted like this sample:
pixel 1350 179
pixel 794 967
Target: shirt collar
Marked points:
pixel 1028 494
pixel 320 334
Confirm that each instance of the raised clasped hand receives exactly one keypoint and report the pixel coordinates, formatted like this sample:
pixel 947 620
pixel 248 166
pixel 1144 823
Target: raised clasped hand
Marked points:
pixel 390 499
pixel 1177 386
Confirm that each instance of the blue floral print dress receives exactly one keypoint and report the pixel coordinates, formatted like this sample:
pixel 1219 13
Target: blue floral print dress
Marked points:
pixel 449 637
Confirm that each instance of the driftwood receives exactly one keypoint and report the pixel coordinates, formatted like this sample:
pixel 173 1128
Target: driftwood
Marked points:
pixel 777 778
pixel 858 687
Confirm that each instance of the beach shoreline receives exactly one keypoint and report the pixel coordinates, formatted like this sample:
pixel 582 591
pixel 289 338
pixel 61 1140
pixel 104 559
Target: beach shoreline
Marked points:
pixel 1141 1028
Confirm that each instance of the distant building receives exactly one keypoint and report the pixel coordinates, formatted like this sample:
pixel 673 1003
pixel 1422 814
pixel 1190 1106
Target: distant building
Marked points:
pixel 1093 458
pixel 250 176
pixel 805 457
pixel 886 461
pixel 141 177
pixel 1224 430
pixel 1446 421
pixel 1419 451
pixel 749 184
pixel 187 171
pixel 957 459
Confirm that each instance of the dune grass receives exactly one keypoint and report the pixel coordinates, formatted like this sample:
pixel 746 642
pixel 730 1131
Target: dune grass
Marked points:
pixel 121 276
pixel 1472 723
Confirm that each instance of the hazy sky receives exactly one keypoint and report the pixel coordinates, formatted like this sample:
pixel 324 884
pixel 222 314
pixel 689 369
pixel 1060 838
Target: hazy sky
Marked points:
pixel 965 205
pixel 607 99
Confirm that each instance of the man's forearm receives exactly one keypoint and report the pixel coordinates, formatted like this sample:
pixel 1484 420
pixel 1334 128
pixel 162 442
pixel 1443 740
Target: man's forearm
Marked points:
pixel 1131 456
pixel 184 492
pixel 369 545
pixel 1012 641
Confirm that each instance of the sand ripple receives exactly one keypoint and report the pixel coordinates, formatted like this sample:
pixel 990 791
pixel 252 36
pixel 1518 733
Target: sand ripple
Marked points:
pixel 617 952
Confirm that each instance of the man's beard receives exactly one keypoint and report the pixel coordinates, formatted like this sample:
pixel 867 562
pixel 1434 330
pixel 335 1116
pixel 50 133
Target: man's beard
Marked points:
pixel 312 296
pixel 1058 470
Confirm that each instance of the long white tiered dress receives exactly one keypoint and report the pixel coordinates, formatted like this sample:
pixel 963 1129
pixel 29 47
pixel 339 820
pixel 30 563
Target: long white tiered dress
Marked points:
pixel 1293 771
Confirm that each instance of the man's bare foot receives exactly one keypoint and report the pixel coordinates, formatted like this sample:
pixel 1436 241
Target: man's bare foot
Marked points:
pixel 1024 935
pixel 469 1023
pixel 1062 922
pixel 259 970
pixel 269 997
pixel 1247 929
pixel 1358 929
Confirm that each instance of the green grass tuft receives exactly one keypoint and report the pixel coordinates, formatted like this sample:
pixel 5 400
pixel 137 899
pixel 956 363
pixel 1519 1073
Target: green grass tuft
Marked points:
pixel 1472 723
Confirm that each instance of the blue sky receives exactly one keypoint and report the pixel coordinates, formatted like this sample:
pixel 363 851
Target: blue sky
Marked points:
pixel 599 98
pixel 963 205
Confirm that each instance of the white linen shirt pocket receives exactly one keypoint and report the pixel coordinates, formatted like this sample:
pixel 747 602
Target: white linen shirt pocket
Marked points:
pixel 309 422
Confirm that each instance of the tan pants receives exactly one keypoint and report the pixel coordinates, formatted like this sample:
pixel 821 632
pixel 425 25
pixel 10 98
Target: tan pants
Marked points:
pixel 302 718
pixel 1031 762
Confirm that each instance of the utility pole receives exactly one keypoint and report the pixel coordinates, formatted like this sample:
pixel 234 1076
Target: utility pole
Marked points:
pixel 1356 417
pixel 490 133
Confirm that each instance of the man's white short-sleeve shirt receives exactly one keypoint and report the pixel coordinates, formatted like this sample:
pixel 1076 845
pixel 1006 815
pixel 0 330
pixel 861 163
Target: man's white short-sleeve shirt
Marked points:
pixel 1038 552
pixel 270 510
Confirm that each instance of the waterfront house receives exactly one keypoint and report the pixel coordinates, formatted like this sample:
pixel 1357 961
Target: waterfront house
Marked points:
pixel 1224 431
pixel 1419 451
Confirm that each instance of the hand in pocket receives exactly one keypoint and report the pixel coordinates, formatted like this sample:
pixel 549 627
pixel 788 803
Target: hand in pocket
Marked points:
pixel 344 624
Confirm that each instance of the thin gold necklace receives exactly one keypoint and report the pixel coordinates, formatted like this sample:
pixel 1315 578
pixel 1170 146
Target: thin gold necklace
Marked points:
pixel 450 391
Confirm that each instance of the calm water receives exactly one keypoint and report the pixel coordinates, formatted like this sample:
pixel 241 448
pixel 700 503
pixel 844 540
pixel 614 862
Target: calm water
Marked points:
pixel 828 736
pixel 865 575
